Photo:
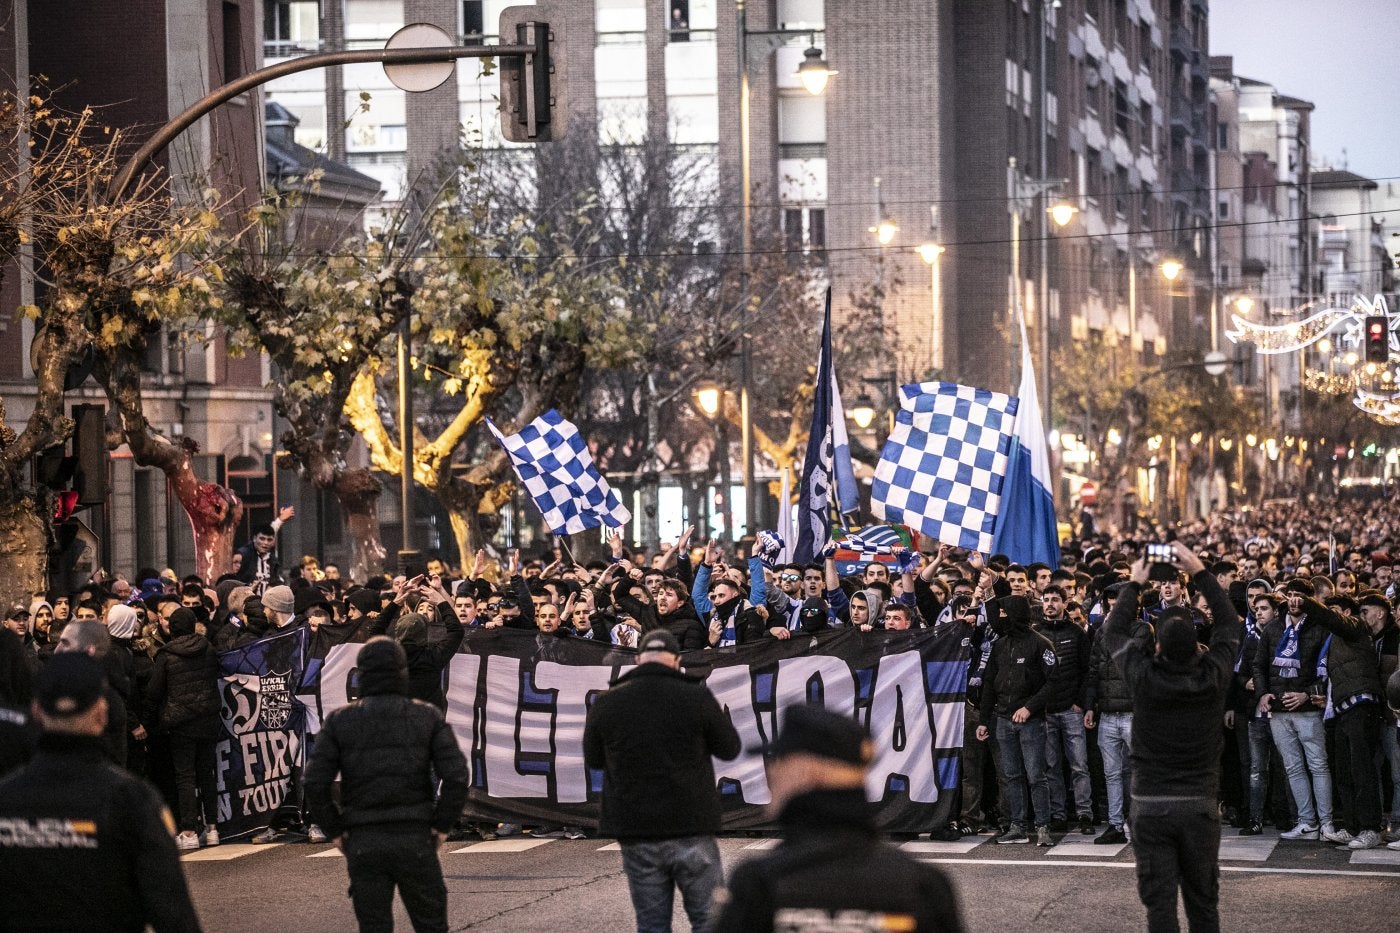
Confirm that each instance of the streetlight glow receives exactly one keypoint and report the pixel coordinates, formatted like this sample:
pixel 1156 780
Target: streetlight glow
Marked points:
pixel 1062 213
pixel 884 231
pixel 814 72
pixel 1171 269
pixel 1226 443
pixel 1245 304
pixel 1324 346
pixel 707 396
pixel 863 412
pixel 929 252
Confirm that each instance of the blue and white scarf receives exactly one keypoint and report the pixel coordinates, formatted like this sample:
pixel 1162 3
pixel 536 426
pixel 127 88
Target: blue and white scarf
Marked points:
pixel 1286 662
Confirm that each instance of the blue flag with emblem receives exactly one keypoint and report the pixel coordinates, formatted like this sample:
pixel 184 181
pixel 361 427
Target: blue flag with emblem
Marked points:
pixel 828 482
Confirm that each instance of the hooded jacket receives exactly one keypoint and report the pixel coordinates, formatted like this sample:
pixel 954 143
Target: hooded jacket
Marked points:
pixel 655 734
pixel 1018 669
pixel 183 695
pixel 426 662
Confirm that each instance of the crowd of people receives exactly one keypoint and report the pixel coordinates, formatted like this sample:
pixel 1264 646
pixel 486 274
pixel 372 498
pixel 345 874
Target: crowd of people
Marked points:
pixel 1311 745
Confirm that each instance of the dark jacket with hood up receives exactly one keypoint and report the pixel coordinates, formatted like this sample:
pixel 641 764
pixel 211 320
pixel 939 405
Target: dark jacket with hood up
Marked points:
pixel 426 661
pixel 1018 669
pixel 654 734
pixel 833 861
pixel 183 695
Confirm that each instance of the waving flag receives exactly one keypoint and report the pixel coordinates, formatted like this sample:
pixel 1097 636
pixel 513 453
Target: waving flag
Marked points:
pixel 827 478
pixel 1026 530
pixel 554 464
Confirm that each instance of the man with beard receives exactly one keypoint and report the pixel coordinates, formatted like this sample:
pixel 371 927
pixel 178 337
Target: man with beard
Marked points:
pixel 675 614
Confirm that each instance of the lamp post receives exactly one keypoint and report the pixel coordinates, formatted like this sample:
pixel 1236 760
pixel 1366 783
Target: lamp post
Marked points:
pixel 709 398
pixel 814 74
pixel 931 253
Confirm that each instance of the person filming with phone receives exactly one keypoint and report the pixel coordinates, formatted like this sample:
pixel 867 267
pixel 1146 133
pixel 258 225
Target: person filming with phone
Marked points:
pixel 1178 689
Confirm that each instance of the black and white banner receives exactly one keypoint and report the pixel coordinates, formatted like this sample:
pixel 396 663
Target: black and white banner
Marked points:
pixel 517 702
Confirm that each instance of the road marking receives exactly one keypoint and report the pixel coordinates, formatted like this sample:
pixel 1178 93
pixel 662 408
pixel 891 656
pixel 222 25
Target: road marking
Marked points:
pixel 611 847
pixel 764 844
pixel 1375 857
pixel 1247 848
pixel 332 852
pixel 503 845
pixel 1085 847
pixel 941 848
pixel 1247 869
pixel 225 853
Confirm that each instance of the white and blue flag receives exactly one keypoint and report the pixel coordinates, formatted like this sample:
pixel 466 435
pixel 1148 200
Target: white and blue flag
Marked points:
pixel 1026 529
pixel 828 482
pixel 554 464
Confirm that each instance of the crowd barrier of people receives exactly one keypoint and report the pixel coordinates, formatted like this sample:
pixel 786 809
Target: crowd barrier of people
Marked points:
pixel 1311 744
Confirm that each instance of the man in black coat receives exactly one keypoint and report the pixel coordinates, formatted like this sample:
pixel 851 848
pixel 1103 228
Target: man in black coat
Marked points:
pixel 1178 691
pixel 654 735
pixel 832 869
pixel 389 822
pixel 85 845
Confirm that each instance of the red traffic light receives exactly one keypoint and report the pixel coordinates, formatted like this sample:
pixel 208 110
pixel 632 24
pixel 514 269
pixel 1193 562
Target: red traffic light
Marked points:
pixel 1377 339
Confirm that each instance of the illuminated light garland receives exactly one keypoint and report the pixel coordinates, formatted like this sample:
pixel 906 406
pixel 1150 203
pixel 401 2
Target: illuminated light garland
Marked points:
pixel 1330 384
pixel 1273 339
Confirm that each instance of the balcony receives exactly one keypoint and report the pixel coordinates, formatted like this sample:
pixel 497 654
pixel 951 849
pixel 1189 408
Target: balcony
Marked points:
pixel 1180 42
pixel 289 48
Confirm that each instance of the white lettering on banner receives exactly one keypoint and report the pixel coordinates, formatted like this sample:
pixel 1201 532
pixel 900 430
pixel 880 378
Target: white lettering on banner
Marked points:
pixel 902 729
pixel 574 685
pixel 733 688
pixel 795 674
pixel 463 677
pixel 503 776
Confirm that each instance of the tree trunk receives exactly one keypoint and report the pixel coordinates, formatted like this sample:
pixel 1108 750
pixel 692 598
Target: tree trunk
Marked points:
pixel 214 512
pixel 357 491
pixel 24 550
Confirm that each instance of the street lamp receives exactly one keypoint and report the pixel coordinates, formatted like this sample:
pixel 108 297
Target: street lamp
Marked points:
pixel 930 253
pixel 813 72
pixel 863 412
pixel 1062 214
pixel 707 396
pixel 1022 192
pixel 1171 269
pixel 885 228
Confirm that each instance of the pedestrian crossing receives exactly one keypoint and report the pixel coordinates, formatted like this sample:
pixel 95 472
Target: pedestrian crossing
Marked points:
pixel 1070 850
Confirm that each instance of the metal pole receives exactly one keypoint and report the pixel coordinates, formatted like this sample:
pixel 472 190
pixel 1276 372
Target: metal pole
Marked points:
pixel 745 348
pixel 1043 226
pixel 936 287
pixel 1015 187
pixel 167 133
pixel 407 554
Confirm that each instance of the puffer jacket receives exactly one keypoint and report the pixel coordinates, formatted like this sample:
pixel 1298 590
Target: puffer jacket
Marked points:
pixel 183 695
pixel 1311 635
pixel 1107 691
pixel 1352 665
pixel 1070 676
pixel 1017 674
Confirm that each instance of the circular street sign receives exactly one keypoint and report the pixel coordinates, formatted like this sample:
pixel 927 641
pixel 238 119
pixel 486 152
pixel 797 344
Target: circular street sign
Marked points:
pixel 1216 362
pixel 424 77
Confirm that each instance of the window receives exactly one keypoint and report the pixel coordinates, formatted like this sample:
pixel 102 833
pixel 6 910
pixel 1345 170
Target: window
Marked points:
pixel 1222 209
pixel 804 228
pixel 1222 136
pixel 1093 178
pixel 1013 82
pixel 1120 23
pixel 1145 207
pixel 621 16
pixel 1145 47
pixel 233 41
pixel 482 18
pixel 1122 191
pixel 801 14
pixel 679 22
pixel 1122 110
pixel 1145 126
pixel 291 23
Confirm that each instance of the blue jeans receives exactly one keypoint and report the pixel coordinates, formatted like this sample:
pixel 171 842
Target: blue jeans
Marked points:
pixel 1115 738
pixel 1302 743
pixel 1064 738
pixel 1261 751
pixel 1021 747
pixel 655 868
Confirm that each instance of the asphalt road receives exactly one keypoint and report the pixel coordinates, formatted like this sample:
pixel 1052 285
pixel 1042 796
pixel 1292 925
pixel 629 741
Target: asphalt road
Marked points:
pixel 523 884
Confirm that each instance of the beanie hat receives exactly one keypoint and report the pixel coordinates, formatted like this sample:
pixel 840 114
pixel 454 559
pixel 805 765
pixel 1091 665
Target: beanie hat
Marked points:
pixel 364 599
pixel 411 629
pixel 279 599
pixel 182 622
pixel 121 622
pixel 383 667
pixel 306 597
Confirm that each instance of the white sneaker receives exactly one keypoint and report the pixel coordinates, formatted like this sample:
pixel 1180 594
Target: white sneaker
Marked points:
pixel 266 837
pixel 1369 839
pixel 1393 845
pixel 1301 831
pixel 1330 833
pixel 211 836
pixel 187 840
pixel 314 834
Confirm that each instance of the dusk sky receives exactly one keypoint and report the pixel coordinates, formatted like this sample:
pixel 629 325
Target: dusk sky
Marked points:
pixel 1339 55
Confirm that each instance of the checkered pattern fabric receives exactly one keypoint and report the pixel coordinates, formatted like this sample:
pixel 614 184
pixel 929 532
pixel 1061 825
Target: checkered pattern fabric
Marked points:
pixel 554 464
pixel 942 469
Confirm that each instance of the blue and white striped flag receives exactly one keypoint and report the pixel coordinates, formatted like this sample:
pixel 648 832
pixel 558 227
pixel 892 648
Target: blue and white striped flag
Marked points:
pixel 1026 529
pixel 828 481
pixel 554 464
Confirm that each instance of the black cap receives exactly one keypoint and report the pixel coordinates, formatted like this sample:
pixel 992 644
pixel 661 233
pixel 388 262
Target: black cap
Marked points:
pixel 659 640
pixel 69 684
pixel 814 730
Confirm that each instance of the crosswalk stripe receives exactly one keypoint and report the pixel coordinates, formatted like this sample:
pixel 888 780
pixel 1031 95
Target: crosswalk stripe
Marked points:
pixel 942 848
pixel 503 845
pixel 611 847
pixel 764 844
pixel 225 853
pixel 1375 857
pixel 1085 847
pixel 332 852
pixel 1246 848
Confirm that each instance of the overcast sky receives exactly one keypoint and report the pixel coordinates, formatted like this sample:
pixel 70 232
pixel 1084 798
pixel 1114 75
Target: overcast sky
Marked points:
pixel 1339 54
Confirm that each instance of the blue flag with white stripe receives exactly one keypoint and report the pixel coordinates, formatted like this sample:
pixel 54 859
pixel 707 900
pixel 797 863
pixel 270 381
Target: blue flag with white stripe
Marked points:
pixel 828 481
pixel 554 464
pixel 1026 529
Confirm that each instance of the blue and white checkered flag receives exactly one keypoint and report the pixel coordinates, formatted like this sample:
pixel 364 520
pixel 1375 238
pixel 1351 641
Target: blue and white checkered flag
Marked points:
pixel 943 468
pixel 551 459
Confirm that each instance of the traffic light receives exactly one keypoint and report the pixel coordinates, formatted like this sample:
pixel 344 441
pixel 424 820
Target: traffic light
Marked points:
pixel 1377 339
pixel 531 106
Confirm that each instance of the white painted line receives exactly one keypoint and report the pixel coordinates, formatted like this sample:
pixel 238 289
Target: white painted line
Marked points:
pixel 1246 869
pixel 1086 848
pixel 332 852
pixel 611 847
pixel 764 844
pixel 225 853
pixel 931 847
pixel 1252 849
pixel 1381 856
pixel 503 845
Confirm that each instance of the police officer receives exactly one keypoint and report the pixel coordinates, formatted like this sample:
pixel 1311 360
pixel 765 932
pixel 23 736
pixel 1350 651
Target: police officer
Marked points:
pixel 389 821
pixel 832 870
pixel 94 846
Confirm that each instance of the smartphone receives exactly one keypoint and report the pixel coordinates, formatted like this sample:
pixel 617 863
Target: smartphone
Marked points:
pixel 1161 554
